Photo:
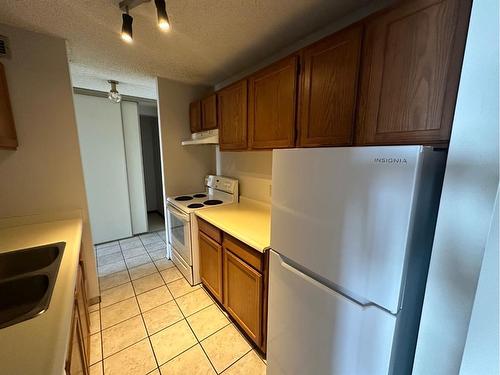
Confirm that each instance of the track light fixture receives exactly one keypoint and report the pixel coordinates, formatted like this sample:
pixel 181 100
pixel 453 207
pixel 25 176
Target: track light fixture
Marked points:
pixel 126 5
pixel 127 27
pixel 161 11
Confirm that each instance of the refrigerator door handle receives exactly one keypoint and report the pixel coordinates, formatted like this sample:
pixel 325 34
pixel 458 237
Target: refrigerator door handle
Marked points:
pixel 330 287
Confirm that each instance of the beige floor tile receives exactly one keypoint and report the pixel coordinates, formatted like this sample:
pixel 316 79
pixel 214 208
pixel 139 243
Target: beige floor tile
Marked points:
pixel 96 369
pixel 157 255
pixel 108 250
pixel 225 347
pixel 171 274
pixel 130 244
pixel 113 280
pixel 172 341
pixel 102 260
pixel 116 294
pixel 122 335
pixel 134 252
pixel 180 287
pixel 162 316
pixel 207 321
pixel 154 372
pixel 95 348
pixel 135 360
pixel 111 268
pixel 194 301
pixel 156 246
pixel 153 298
pixel 147 283
pixel 95 322
pixel 249 364
pixel 163 264
pixel 142 270
pixel 137 261
pixel 193 361
pixel 119 312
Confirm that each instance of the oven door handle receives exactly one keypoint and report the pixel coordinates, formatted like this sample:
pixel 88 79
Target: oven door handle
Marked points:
pixel 178 214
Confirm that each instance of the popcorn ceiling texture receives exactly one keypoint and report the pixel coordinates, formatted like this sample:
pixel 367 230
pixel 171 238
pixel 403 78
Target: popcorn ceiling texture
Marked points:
pixel 210 40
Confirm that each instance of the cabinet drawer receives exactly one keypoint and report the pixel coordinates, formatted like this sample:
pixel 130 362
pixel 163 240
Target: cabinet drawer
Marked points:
pixel 211 231
pixel 245 252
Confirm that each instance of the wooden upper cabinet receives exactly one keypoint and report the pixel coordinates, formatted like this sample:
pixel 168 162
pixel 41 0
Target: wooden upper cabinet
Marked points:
pixel 209 112
pixel 8 137
pixel 272 97
pixel 328 94
pixel 232 116
pixel 411 68
pixel 195 116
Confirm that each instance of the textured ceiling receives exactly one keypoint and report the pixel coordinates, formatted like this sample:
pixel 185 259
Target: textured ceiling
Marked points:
pixel 210 40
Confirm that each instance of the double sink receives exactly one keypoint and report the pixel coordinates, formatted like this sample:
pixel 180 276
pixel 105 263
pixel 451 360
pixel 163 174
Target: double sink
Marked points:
pixel 27 279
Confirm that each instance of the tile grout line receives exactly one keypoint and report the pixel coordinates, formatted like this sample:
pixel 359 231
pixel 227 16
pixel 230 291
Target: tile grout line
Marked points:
pixel 143 321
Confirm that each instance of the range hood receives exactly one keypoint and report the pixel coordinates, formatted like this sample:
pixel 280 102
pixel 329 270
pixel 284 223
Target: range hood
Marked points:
pixel 209 137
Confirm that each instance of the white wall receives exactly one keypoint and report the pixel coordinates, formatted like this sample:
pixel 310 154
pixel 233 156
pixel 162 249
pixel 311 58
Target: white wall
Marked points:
pixel 465 211
pixel 482 346
pixel 253 169
pixel 184 167
pixel 44 175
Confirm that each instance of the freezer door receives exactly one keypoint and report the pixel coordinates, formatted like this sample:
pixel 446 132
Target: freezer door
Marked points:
pixel 314 330
pixel 344 214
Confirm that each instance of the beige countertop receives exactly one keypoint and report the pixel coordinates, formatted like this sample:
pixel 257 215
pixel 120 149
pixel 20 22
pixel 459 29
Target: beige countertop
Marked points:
pixel 249 221
pixel 39 345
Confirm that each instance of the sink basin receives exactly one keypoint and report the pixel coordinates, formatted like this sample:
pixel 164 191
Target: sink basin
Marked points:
pixel 23 261
pixel 22 298
pixel 27 279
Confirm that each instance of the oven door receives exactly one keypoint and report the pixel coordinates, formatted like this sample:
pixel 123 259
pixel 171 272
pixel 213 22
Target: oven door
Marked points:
pixel 179 230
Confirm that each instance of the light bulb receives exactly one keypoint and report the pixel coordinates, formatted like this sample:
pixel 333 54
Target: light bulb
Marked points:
pixel 127 27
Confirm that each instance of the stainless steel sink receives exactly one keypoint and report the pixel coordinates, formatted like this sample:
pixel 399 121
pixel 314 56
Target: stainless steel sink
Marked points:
pixel 27 279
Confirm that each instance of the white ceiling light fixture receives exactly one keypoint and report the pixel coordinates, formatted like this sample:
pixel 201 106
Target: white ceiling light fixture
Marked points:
pixel 114 95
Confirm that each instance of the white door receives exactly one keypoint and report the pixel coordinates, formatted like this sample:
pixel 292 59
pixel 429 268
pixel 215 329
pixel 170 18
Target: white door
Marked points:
pixel 312 329
pixel 100 134
pixel 135 172
pixel 344 214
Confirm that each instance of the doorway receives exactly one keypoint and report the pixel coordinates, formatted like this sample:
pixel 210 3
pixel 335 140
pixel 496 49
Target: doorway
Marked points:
pixel 151 156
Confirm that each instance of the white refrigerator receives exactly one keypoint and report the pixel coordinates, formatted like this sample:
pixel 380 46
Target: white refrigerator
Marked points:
pixel 351 237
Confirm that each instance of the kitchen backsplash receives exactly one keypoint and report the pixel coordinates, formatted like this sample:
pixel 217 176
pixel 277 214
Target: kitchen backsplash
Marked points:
pixel 252 169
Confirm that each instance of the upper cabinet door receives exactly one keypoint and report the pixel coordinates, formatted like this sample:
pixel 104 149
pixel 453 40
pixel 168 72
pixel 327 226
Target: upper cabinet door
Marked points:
pixel 329 89
pixel 8 137
pixel 195 116
pixel 209 112
pixel 232 116
pixel 411 68
pixel 271 105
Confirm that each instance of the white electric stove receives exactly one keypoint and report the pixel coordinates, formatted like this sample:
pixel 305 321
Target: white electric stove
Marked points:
pixel 183 225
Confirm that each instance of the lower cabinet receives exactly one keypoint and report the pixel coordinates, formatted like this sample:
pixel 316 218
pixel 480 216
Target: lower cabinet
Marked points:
pixel 243 295
pixel 78 356
pixel 236 275
pixel 211 265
